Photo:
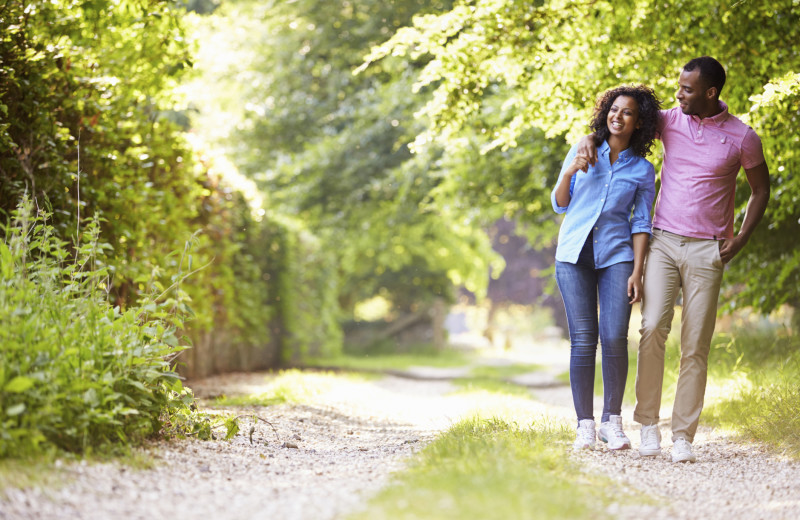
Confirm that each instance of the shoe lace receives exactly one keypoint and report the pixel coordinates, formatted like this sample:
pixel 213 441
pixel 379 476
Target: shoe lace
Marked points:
pixel 649 436
pixel 616 430
pixel 683 446
pixel 586 434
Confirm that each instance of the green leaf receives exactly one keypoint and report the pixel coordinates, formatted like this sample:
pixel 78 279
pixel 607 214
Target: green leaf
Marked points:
pixel 6 261
pixel 19 384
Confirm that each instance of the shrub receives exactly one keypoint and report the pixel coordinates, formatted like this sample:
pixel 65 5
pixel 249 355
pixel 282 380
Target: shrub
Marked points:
pixel 77 372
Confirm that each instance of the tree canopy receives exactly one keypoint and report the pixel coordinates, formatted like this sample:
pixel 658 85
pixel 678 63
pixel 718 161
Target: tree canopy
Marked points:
pixel 398 130
pixel 508 67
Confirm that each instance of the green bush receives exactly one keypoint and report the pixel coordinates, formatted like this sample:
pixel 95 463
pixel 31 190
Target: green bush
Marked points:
pixel 78 373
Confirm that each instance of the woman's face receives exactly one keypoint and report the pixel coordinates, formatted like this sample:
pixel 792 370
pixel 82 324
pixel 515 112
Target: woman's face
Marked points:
pixel 623 117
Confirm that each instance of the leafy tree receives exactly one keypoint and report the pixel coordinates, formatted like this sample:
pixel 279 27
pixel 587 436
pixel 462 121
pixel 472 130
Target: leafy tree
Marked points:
pixel 90 124
pixel 508 68
pixel 331 148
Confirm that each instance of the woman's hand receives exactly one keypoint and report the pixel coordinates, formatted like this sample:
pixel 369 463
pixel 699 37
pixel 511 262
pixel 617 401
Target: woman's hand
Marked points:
pixel 580 162
pixel 635 288
pixel 587 149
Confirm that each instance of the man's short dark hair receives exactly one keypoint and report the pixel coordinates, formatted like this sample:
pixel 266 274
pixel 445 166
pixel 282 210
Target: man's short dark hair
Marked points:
pixel 711 71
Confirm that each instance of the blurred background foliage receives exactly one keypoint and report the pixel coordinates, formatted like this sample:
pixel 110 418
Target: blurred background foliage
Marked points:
pixel 332 152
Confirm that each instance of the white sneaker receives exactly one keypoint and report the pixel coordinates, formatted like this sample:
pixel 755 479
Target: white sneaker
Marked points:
pixel 682 451
pixel 651 441
pixel 584 435
pixel 611 433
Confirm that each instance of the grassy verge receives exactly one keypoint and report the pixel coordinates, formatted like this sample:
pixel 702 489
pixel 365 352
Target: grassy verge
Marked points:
pixel 754 388
pixel 423 356
pixel 293 387
pixel 491 385
pixel 495 379
pixel 492 469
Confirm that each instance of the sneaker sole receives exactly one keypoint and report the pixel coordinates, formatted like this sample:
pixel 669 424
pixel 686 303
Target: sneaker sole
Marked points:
pixel 678 460
pixel 625 446
pixel 649 453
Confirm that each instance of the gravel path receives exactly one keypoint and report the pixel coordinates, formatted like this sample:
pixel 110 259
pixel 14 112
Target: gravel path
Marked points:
pixel 350 441
pixel 346 447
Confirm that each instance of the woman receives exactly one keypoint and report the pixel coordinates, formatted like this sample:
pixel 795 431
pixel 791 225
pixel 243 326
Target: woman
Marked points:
pixel 601 250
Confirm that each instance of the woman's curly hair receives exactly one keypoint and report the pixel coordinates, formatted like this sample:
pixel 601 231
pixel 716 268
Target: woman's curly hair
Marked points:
pixel 649 105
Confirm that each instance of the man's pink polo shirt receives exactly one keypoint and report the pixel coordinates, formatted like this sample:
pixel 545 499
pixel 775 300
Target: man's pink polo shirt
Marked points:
pixel 698 178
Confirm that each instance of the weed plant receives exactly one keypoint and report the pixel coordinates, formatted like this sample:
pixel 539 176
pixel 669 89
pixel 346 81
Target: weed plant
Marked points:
pixel 78 373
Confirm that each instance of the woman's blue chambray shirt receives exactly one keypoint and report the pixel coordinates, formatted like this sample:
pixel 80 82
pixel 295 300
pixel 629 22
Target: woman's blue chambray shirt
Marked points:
pixel 613 201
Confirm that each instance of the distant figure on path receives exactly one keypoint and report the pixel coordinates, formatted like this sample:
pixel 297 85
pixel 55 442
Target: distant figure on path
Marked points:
pixel 601 248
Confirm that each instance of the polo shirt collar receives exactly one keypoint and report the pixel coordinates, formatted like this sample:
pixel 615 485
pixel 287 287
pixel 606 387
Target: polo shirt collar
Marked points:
pixel 718 119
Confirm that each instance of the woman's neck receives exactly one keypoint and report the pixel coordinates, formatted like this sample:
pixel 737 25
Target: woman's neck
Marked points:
pixel 616 145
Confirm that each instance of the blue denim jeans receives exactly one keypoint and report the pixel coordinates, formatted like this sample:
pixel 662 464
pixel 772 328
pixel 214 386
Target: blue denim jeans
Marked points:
pixel 580 286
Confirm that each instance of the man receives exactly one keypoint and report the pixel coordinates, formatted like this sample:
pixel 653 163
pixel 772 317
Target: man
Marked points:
pixel 692 240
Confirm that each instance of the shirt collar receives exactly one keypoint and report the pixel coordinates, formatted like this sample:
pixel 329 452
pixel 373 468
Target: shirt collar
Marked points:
pixel 718 119
pixel 605 149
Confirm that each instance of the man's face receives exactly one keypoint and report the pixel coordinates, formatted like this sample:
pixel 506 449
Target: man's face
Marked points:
pixel 693 94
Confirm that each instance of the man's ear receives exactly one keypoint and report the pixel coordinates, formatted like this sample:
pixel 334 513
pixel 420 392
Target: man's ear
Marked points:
pixel 712 93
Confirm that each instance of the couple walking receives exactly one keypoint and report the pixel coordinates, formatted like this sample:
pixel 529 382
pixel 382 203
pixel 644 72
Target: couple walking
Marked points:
pixel 607 187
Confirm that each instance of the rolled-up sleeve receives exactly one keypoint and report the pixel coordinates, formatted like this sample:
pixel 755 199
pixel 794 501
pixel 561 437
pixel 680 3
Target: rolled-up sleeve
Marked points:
pixel 641 220
pixel 570 156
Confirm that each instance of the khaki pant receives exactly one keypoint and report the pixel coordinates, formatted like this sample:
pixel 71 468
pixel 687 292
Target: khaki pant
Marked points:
pixel 673 263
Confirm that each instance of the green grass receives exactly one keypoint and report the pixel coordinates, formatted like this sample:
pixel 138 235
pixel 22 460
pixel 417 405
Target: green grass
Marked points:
pixel 444 358
pixel 492 469
pixel 767 412
pixel 292 387
pixel 491 385
pixel 494 379
pixel 504 371
pixel 754 388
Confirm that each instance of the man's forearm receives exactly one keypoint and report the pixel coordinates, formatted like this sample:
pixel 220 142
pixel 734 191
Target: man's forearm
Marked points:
pixel 756 207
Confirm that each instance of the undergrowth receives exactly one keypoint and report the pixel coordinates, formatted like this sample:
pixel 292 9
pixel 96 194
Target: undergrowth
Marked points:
pixel 79 374
pixel 755 387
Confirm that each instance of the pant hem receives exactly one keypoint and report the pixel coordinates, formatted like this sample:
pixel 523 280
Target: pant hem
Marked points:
pixel 644 421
